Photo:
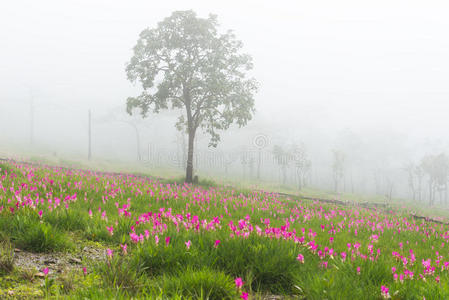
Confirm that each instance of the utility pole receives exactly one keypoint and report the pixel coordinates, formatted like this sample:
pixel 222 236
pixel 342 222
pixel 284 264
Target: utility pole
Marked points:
pixel 89 153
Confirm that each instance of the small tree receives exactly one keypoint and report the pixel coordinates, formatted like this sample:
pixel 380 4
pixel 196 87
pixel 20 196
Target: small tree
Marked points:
pixel 185 63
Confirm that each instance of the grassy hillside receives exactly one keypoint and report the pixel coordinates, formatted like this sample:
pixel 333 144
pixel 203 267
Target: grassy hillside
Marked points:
pixel 87 234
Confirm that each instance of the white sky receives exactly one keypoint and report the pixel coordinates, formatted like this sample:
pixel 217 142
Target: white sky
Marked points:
pixel 330 64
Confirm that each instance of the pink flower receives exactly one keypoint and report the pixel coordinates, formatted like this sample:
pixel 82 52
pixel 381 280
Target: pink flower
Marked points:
pixel 358 270
pixel 167 240
pixel 124 247
pixel 45 271
pixel 40 213
pixel 384 291
pixel 216 243
pixel 244 296
pixel 84 271
pixel 300 258
pixel 239 282
pixel 90 213
pixel 188 244
pixel 110 229
pixel 109 252
pixel 156 239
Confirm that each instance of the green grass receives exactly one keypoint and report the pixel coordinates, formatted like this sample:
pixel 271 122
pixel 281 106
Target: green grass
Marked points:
pixel 28 232
pixel 205 283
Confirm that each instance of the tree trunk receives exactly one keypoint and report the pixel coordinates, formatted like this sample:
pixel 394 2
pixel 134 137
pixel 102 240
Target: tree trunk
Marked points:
pixel 189 169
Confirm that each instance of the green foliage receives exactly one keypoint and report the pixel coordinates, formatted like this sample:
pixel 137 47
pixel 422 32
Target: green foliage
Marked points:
pixel 47 286
pixel 156 260
pixel 116 272
pixel 68 220
pixel 271 263
pixel 29 233
pixel 42 238
pixel 203 284
pixel 202 72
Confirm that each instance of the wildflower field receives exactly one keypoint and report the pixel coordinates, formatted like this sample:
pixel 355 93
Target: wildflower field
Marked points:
pixel 128 236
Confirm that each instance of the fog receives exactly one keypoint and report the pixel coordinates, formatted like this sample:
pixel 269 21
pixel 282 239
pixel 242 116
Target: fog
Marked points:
pixel 367 79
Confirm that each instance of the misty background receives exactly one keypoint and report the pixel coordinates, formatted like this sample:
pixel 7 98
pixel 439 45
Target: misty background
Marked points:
pixel 366 79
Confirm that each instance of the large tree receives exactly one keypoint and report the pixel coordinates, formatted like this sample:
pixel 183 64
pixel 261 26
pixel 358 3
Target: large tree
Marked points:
pixel 186 63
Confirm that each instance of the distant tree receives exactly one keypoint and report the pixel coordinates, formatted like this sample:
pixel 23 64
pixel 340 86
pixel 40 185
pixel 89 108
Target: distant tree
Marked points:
pixel 338 168
pixel 414 179
pixel 411 179
pixel 437 169
pixel 302 163
pixel 283 158
pixel 419 173
pixel 185 63
pixel 442 175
